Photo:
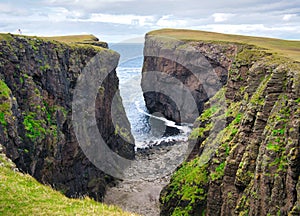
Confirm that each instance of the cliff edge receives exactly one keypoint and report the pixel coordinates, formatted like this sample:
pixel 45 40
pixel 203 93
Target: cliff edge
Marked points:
pixel 37 81
pixel 246 158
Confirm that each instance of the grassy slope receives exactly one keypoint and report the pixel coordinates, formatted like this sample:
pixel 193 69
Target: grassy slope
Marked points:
pixel 72 38
pixel 22 195
pixel 65 39
pixel 287 48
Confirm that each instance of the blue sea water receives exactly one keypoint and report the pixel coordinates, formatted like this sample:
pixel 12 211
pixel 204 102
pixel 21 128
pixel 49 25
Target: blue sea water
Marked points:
pixel 146 128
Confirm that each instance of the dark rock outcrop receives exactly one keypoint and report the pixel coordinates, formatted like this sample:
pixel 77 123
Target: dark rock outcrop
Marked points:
pixel 246 159
pixel 38 78
pixel 188 63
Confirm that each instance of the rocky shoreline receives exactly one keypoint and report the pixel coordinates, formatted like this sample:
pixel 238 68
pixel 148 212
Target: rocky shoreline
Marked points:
pixel 142 195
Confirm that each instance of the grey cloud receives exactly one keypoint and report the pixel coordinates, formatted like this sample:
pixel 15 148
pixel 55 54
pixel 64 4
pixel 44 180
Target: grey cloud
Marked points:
pixel 175 7
pixel 36 17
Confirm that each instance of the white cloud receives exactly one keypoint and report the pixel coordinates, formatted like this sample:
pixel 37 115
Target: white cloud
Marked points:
pixel 262 30
pixel 170 21
pixel 5 8
pixel 84 4
pixel 126 19
pixel 221 17
pixel 9 8
pixel 288 17
pixel 58 14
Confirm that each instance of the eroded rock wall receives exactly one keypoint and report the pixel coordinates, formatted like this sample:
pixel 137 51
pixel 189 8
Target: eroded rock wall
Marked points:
pixel 188 62
pixel 37 80
pixel 246 159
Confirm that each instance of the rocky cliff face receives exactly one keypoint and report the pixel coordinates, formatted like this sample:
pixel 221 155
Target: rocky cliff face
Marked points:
pixel 37 81
pixel 246 159
pixel 190 69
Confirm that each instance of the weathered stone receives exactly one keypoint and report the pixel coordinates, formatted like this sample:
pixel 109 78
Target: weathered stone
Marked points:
pixel 254 170
pixel 39 136
pixel 188 63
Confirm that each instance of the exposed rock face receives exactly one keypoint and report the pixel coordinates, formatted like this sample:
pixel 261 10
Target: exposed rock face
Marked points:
pixel 246 160
pixel 166 56
pixel 38 78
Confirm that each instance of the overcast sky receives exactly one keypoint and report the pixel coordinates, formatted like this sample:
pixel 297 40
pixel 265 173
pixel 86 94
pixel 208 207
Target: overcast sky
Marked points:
pixel 117 20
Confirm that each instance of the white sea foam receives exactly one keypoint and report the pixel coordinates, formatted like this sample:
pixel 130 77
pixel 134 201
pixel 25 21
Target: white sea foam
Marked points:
pixel 129 74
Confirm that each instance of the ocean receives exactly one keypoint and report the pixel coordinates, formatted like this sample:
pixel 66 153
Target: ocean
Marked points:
pixel 147 129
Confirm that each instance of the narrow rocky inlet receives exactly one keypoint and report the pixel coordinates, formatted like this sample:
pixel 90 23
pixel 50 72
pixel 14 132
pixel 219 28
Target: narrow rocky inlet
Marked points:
pixel 141 195
pixel 138 196
pixel 234 102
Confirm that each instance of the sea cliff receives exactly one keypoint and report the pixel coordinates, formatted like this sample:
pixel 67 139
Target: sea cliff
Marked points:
pixel 245 158
pixel 37 78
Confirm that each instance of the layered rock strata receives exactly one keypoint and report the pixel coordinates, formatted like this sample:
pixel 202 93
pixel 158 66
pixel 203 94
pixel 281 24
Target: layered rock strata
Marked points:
pixel 246 157
pixel 37 82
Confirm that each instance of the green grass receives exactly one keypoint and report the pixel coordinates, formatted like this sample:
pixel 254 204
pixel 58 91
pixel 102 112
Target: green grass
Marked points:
pixel 4 36
pixel 2 119
pixel 65 39
pixel 188 185
pixel 257 98
pixel 81 40
pixel 4 90
pixel 5 105
pixel 73 38
pixel 219 172
pixel 22 195
pixel 286 48
pixel 34 128
pixel 199 131
pixel 206 115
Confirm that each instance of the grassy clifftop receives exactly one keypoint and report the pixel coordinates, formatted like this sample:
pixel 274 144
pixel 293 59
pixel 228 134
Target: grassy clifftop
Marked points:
pixel 79 39
pixel 246 156
pixel 287 48
pixel 73 38
pixel 21 194
pixel 68 39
